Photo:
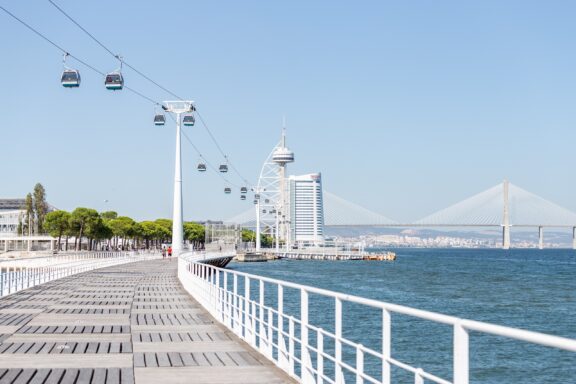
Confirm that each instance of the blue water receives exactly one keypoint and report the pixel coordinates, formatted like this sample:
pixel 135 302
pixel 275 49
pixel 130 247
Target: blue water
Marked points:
pixel 530 289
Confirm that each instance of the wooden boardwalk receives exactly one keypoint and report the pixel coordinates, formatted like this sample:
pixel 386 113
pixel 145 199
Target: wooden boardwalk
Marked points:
pixel 125 324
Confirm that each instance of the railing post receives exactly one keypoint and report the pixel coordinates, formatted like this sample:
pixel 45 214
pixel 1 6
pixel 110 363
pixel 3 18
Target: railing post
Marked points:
pixel 386 345
pixel 418 378
pixel 307 374
pixel 247 321
pixel 263 343
pixel 282 350
pixel 461 351
pixel 339 378
pixel 291 345
pixel 320 357
pixel 359 364
pixel 236 305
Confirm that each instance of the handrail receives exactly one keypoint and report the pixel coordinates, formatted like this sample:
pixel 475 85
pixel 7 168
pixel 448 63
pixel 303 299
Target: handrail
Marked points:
pixel 263 326
pixel 26 274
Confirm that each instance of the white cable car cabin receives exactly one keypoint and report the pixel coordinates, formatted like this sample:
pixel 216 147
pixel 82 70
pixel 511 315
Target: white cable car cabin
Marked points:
pixel 201 167
pixel 223 168
pixel 227 190
pixel 159 119
pixel 188 120
pixel 243 190
pixel 242 197
pixel 70 78
pixel 114 81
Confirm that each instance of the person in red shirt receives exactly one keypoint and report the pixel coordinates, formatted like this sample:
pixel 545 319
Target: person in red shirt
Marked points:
pixel 169 251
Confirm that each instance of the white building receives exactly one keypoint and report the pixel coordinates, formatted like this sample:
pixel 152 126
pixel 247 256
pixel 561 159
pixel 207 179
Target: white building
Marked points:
pixel 306 209
pixel 10 213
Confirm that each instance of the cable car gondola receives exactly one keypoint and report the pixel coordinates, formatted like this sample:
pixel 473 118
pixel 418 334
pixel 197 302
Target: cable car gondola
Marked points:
pixel 257 196
pixel 242 197
pixel 243 190
pixel 227 190
pixel 223 168
pixel 70 78
pixel 188 120
pixel 159 119
pixel 201 167
pixel 114 81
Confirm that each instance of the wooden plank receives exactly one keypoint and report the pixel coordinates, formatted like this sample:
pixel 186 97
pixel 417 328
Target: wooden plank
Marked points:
pixel 139 360
pixel 70 376
pixel 85 375
pixel 163 360
pixel 175 360
pixel 25 376
pixel 10 375
pixel 113 376
pixel 99 376
pixel 209 375
pixel 40 376
pixel 119 360
pixel 55 376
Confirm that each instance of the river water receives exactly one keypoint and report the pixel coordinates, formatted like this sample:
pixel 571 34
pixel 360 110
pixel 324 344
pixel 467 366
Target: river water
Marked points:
pixel 529 289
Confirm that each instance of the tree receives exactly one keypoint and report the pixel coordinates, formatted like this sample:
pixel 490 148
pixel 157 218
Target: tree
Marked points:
pixel 98 230
pixel 108 215
pixel 29 215
pixel 122 227
pixel 195 233
pixel 40 206
pixel 56 224
pixel 167 225
pixel 80 220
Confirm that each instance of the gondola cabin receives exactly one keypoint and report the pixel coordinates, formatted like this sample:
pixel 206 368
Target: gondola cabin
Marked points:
pixel 227 190
pixel 159 119
pixel 243 190
pixel 188 120
pixel 242 197
pixel 70 78
pixel 114 81
pixel 201 167
pixel 223 168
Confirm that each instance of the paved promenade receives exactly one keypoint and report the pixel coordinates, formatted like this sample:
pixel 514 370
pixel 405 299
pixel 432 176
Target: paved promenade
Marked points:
pixel 122 324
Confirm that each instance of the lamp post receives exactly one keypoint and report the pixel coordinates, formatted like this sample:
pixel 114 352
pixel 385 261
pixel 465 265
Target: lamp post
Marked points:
pixel 178 108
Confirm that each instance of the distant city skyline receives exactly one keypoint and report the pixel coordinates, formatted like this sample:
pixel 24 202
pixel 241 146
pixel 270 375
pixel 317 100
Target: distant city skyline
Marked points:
pixel 404 108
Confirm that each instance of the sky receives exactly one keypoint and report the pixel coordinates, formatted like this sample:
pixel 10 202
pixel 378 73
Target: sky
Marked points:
pixel 405 107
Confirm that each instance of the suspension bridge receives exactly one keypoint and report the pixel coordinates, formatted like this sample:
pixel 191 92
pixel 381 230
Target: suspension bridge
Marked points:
pixel 503 206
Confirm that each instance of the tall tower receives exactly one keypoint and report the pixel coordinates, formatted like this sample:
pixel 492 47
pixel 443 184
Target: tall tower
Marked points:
pixel 282 156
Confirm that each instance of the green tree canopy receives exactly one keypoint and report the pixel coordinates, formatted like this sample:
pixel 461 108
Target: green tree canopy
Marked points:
pixel 82 220
pixel 194 232
pixel 57 223
pixel 108 215
pixel 166 224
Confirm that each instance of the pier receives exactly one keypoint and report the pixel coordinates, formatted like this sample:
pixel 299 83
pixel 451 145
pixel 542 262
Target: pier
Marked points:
pixel 128 323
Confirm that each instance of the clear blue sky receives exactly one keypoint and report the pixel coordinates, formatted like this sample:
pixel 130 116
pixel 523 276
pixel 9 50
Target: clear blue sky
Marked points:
pixel 405 107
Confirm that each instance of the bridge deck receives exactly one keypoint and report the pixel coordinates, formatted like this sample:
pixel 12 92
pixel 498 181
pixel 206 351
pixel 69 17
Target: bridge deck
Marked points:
pixel 123 324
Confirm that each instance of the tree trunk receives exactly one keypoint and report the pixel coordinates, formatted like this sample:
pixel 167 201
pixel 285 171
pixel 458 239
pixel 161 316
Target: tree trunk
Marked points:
pixel 80 237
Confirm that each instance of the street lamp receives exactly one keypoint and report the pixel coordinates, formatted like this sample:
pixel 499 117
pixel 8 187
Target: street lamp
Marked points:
pixel 178 108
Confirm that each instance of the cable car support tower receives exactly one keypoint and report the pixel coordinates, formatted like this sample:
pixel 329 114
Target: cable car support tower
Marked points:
pixel 178 108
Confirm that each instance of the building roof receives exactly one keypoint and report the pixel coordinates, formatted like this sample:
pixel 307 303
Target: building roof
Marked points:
pixel 19 204
pixel 11 204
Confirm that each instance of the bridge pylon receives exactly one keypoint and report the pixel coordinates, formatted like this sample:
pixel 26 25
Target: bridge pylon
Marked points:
pixel 506 216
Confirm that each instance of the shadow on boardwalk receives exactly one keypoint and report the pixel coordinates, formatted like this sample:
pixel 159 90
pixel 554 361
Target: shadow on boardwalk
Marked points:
pixel 122 324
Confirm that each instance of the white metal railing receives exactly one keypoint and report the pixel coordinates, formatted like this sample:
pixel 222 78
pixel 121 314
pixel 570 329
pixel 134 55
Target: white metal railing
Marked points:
pixel 230 296
pixel 19 274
